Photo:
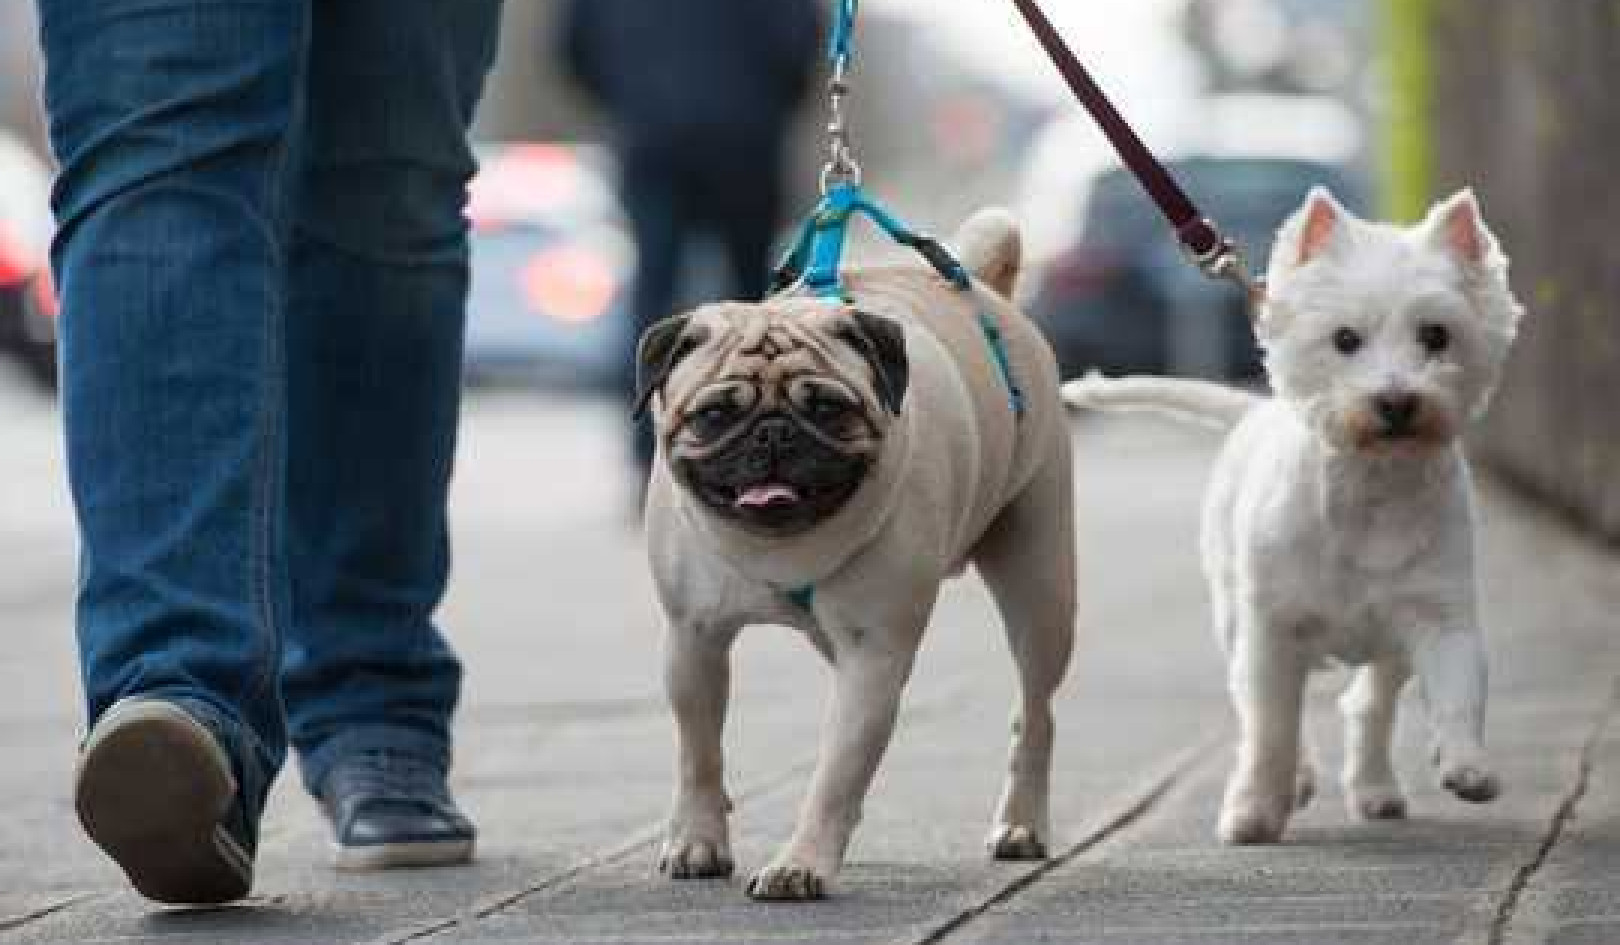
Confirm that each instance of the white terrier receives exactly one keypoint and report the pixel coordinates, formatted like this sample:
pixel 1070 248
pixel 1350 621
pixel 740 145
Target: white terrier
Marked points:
pixel 1338 521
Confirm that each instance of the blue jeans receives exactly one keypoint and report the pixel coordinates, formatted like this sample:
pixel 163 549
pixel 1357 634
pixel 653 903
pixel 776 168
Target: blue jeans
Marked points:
pixel 263 266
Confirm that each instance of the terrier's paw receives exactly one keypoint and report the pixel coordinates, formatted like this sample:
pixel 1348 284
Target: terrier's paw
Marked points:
pixel 1471 783
pixel 1247 826
pixel 695 859
pixel 786 882
pixel 1016 842
pixel 1375 802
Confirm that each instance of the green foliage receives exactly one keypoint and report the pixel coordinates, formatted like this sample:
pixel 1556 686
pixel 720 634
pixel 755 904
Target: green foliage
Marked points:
pixel 1408 165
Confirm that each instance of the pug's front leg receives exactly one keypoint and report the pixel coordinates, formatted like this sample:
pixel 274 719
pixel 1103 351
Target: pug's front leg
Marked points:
pixel 697 676
pixel 869 677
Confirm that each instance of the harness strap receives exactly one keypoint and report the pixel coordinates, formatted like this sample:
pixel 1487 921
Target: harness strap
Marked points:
pixel 998 354
pixel 815 263
pixel 801 597
pixel 816 258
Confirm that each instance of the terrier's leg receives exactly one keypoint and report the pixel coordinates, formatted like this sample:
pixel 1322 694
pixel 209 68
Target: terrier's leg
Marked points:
pixel 1371 791
pixel 1451 672
pixel 1267 678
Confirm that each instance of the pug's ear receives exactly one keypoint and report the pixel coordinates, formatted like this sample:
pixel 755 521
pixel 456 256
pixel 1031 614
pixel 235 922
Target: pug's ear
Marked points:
pixel 882 343
pixel 661 348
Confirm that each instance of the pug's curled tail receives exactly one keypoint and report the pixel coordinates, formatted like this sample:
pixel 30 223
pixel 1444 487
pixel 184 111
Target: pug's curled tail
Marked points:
pixel 1211 405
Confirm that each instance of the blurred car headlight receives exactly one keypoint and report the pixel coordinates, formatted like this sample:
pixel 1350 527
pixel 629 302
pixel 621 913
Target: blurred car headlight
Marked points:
pixel 16 263
pixel 571 284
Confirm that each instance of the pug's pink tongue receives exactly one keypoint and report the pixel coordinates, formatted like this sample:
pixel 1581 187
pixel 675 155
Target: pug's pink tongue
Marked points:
pixel 770 493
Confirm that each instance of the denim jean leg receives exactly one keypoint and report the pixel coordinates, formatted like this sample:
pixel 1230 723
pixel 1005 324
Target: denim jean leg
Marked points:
pixel 375 338
pixel 173 121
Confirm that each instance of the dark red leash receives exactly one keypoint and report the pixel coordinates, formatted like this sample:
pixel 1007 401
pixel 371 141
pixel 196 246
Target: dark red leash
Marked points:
pixel 1216 255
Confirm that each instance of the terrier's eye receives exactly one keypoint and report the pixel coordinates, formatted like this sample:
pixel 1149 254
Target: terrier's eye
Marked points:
pixel 1434 338
pixel 1347 340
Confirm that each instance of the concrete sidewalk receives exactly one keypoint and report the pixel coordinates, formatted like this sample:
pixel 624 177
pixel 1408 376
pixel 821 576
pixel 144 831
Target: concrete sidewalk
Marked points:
pixel 565 747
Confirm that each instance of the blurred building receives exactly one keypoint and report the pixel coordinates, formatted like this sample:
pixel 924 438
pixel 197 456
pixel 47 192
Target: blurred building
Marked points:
pixel 1522 108
pixel 1289 46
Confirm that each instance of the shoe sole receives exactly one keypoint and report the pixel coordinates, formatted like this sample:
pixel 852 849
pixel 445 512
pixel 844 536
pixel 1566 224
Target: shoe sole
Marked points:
pixel 384 856
pixel 152 789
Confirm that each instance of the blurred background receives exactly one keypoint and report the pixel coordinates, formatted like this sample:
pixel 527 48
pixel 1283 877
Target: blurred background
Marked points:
pixel 1389 102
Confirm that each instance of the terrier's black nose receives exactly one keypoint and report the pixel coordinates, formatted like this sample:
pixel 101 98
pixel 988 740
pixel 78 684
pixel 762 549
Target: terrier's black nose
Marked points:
pixel 1397 411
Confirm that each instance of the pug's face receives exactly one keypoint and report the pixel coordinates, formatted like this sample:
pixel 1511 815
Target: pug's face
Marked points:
pixel 772 415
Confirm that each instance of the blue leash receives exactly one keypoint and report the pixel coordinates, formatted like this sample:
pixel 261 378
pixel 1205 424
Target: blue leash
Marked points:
pixel 814 264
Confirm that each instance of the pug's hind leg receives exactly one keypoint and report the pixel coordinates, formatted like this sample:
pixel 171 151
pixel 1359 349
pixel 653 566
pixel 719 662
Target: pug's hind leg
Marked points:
pixel 697 676
pixel 1027 560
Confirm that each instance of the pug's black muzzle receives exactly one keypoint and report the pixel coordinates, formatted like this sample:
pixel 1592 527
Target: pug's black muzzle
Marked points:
pixel 776 477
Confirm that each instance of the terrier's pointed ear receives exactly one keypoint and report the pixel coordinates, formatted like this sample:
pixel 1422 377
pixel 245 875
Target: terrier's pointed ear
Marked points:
pixel 1313 229
pixel 1456 227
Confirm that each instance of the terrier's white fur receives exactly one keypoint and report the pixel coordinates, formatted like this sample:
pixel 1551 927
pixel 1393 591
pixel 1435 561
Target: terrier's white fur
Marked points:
pixel 1338 523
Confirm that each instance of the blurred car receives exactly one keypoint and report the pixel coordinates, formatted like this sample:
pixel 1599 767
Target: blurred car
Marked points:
pixel 551 265
pixel 1122 297
pixel 551 269
pixel 27 299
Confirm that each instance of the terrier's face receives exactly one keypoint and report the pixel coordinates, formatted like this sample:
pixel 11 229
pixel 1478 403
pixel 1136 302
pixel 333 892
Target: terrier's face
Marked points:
pixel 1386 339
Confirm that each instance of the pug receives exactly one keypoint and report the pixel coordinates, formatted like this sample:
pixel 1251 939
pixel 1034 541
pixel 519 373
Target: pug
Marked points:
pixel 826 465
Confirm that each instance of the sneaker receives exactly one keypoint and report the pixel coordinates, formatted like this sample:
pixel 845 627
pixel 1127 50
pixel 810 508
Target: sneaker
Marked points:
pixel 155 790
pixel 391 809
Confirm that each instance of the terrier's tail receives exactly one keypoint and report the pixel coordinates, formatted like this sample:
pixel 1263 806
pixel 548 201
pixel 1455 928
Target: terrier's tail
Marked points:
pixel 1198 401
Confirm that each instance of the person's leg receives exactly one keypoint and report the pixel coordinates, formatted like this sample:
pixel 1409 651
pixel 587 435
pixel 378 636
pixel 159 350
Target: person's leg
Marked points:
pixel 745 210
pixel 654 199
pixel 173 122
pixel 379 283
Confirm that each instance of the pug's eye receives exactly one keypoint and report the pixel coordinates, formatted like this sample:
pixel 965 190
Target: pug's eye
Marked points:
pixel 824 409
pixel 711 419
pixel 1435 338
pixel 1347 341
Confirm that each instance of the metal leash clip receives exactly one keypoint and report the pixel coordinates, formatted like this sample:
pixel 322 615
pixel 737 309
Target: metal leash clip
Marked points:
pixel 841 166
pixel 1226 261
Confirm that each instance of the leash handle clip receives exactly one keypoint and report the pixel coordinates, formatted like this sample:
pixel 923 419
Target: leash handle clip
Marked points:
pixel 1222 260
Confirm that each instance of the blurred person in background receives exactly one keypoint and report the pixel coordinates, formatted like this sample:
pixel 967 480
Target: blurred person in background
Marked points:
pixel 702 96
pixel 262 259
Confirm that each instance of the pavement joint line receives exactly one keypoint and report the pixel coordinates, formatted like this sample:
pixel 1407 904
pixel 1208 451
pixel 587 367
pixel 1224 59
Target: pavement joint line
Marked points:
pixel 1127 810
pixel 1507 909
pixel 923 712
pixel 645 838
pixel 13 923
